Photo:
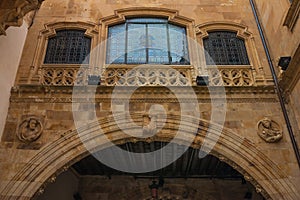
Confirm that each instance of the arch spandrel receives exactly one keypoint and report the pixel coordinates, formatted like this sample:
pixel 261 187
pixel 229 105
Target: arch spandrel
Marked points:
pixel 231 148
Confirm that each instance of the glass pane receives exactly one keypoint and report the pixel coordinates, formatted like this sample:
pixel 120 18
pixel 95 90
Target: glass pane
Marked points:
pixel 178 45
pixel 116 44
pixel 158 44
pixel 148 40
pixel 68 47
pixel 224 48
pixel 147 20
pixel 136 44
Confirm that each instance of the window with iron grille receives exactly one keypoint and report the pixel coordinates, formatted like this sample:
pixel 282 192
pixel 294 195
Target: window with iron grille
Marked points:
pixel 225 48
pixel 147 40
pixel 68 47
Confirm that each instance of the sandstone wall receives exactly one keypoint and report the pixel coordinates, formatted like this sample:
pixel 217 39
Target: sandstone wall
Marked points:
pixel 52 105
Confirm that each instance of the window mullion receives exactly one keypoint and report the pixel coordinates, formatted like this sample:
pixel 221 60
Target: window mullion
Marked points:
pixel 126 43
pixel 226 50
pixel 147 43
pixel 168 43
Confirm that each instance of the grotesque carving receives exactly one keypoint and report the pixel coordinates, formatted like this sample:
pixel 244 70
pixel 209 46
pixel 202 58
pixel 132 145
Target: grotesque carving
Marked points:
pixel 30 129
pixel 269 130
pixel 13 15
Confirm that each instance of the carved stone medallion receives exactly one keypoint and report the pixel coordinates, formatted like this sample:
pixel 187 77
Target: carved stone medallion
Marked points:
pixel 269 130
pixel 30 129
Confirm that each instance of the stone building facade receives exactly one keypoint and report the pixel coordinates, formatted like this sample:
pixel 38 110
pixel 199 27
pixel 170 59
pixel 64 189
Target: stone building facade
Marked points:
pixel 57 116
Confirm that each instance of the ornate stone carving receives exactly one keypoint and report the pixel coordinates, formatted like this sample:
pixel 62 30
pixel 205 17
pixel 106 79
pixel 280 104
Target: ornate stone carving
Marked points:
pixel 269 130
pixel 152 76
pixel 13 15
pixel 30 129
pixel 63 75
pixel 234 76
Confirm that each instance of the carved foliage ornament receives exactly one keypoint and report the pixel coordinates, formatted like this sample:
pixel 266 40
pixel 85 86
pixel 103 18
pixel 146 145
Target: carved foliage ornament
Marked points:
pixel 30 129
pixel 269 130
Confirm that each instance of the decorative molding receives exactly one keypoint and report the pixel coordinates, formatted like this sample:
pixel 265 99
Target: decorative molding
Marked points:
pixel 43 89
pixel 292 15
pixel 63 94
pixel 13 16
pixel 51 28
pixel 121 14
pixel 242 30
pixel 141 100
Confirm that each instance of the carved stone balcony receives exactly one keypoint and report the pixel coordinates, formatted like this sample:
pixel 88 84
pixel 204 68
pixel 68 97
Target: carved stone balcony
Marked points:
pixel 147 75
pixel 150 75
pixel 64 75
pixel 230 76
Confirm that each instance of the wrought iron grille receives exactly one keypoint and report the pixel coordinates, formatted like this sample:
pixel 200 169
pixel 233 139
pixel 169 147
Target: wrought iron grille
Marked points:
pixel 147 40
pixel 224 48
pixel 68 47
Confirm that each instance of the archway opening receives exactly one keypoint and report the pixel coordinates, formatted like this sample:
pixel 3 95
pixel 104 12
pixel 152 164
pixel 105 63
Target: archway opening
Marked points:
pixel 188 177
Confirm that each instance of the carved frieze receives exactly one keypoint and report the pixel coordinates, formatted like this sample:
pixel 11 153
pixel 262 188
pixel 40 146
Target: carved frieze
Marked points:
pixel 231 76
pixel 150 76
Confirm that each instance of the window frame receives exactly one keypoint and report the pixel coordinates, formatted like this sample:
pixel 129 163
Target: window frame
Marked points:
pixel 91 31
pixel 84 61
pixel 165 21
pixel 208 62
pixel 255 65
pixel 172 16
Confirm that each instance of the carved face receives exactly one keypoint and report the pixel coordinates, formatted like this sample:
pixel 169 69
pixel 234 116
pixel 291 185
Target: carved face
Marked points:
pixel 32 124
pixel 266 123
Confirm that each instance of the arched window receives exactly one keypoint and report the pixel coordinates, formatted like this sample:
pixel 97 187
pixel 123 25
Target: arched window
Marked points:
pixel 147 40
pixel 225 48
pixel 68 47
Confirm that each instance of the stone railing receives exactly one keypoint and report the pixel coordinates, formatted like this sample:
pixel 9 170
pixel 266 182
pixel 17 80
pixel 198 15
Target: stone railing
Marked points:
pixel 150 75
pixel 64 75
pixel 147 75
pixel 230 76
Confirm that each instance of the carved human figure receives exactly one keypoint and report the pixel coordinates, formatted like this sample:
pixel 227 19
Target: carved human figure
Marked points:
pixel 149 126
pixel 30 130
pixel 269 130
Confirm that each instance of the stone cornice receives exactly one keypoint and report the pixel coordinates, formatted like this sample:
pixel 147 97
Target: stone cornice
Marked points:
pixel 63 94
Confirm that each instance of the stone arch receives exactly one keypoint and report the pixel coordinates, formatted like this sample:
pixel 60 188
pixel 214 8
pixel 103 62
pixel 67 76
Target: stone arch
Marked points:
pixel 243 33
pixel 237 151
